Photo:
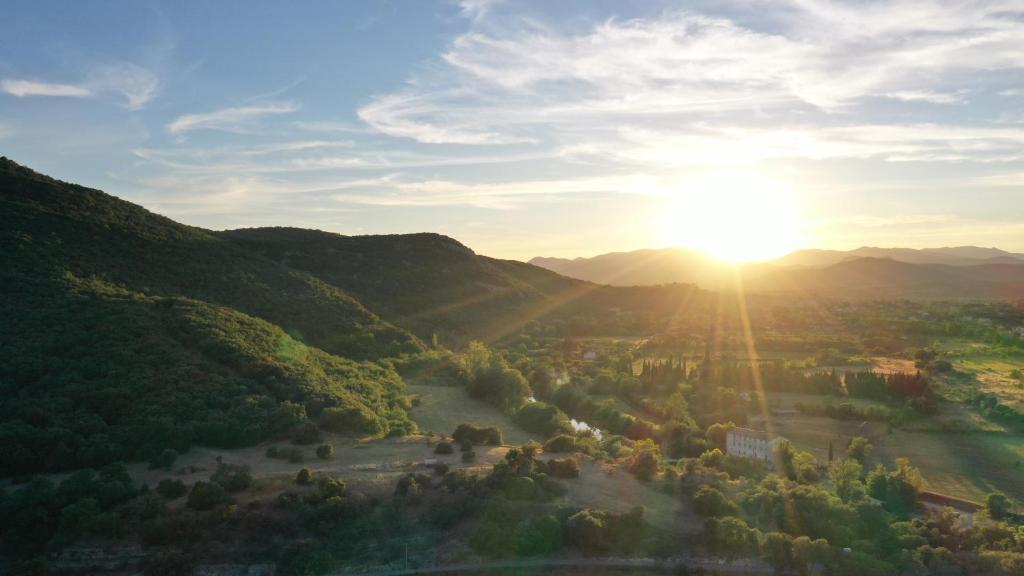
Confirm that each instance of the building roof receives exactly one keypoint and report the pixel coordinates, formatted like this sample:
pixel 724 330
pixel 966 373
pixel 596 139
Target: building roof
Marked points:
pixel 749 433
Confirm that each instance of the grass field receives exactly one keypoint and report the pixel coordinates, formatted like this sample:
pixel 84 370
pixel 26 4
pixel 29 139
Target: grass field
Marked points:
pixel 964 464
pixel 442 408
pixel 602 486
pixel 969 465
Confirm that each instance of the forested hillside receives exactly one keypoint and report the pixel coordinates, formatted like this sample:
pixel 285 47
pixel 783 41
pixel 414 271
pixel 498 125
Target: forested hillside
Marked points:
pixel 124 333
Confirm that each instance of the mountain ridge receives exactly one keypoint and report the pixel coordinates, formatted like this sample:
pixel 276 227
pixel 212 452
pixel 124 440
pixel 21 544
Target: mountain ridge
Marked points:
pixel 971 276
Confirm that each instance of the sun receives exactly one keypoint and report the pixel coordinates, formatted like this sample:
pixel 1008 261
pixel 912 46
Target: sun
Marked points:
pixel 738 217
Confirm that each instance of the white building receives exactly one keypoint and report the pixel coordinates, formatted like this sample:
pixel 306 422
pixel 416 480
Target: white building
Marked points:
pixel 748 443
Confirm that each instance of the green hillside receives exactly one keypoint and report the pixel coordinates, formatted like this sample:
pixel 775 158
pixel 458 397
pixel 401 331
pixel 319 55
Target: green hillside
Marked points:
pixel 51 227
pixel 124 333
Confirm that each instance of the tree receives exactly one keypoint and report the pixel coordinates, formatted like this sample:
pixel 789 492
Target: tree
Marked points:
pixel 710 502
pixel 731 537
pixel 859 449
pixel 325 451
pixel 717 434
pixel 645 460
pixel 171 488
pixel 805 468
pixel 999 506
pixel 777 550
pixel 783 455
pixel 538 537
pixel 712 458
pixel 807 553
pixel 897 489
pixel 845 476
pixel 586 530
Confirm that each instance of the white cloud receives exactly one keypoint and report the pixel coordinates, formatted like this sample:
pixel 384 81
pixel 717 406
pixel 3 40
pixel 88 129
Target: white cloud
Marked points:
pixel 22 88
pixel 228 119
pixel 533 82
pixel 135 84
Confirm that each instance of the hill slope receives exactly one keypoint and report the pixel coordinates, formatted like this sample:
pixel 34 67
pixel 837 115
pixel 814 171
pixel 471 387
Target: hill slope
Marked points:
pixel 50 227
pixel 124 333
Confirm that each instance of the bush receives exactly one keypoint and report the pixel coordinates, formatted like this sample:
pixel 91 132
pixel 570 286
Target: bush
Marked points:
pixel 232 477
pixel 352 420
pixel 468 456
pixel 542 418
pixel 304 477
pixel 165 460
pixel 561 443
pixel 325 451
pixel 206 496
pixel 490 436
pixel 443 448
pixel 293 455
pixel 563 468
pixel 441 469
pixel 171 488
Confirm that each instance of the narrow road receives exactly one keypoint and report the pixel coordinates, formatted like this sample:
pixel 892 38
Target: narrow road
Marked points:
pixel 719 565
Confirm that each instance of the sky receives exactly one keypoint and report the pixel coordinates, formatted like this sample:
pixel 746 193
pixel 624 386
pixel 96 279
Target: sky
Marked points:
pixel 523 129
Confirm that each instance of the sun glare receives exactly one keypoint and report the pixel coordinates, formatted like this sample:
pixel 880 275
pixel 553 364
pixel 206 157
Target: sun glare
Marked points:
pixel 735 217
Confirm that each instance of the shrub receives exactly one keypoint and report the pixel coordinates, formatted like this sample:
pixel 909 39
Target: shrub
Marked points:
pixel 165 460
pixel 441 469
pixel 468 456
pixel 443 448
pixel 329 487
pixel 232 477
pixel 542 418
pixel 325 451
pixel 304 477
pixel 206 496
pixel 561 443
pixel 352 420
pixel 171 488
pixel 490 436
pixel 563 468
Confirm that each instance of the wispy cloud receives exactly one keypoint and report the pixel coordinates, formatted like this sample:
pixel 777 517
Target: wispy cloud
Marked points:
pixel 926 96
pixel 534 82
pixel 23 88
pixel 134 84
pixel 476 9
pixel 228 119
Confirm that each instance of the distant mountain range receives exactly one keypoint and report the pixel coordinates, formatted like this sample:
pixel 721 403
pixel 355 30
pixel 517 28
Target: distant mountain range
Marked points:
pixel 955 272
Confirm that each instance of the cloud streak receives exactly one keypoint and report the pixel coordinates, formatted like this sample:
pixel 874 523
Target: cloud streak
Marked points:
pixel 228 119
pixel 23 88
pixel 133 84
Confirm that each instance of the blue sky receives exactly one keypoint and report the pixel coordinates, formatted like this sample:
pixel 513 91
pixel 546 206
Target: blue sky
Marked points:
pixel 536 128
